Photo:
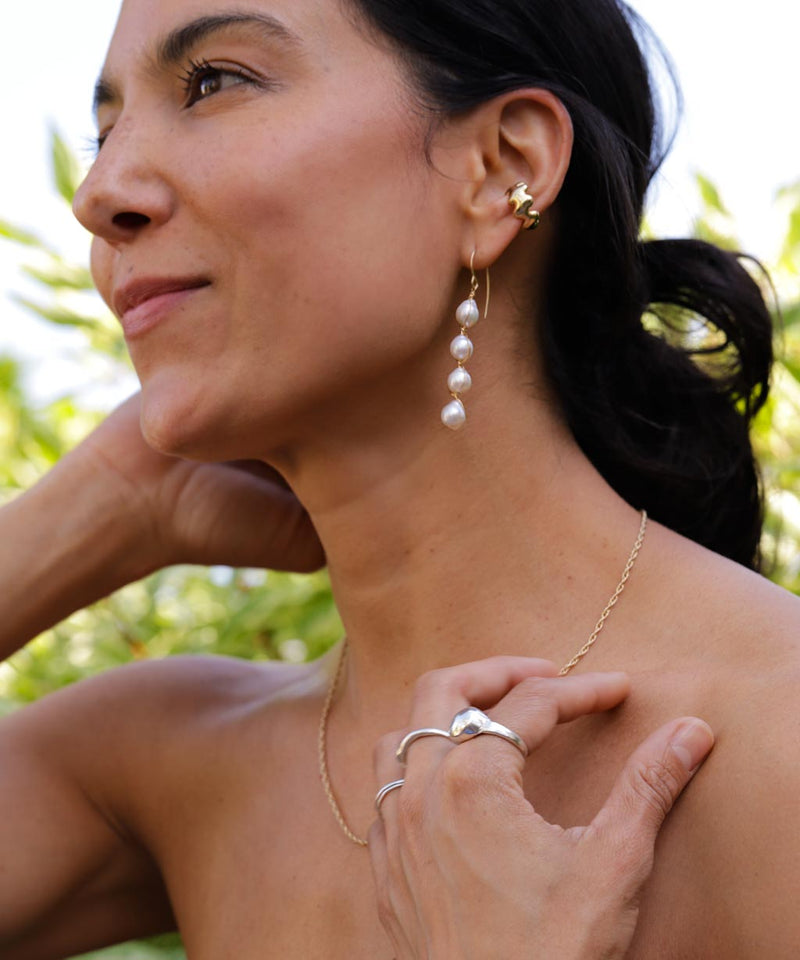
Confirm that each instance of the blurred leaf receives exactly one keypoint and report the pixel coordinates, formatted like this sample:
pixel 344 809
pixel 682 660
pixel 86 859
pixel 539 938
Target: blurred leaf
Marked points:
pixel 9 231
pixel 61 275
pixel 792 367
pixel 714 223
pixel 58 315
pixel 67 173
pixel 790 253
pixel 791 315
pixel 705 230
pixel 710 195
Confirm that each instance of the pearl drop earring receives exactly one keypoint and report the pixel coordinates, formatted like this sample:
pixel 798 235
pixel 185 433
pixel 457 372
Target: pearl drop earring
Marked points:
pixel 459 382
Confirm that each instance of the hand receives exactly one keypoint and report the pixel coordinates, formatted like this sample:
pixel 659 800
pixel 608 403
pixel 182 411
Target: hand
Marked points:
pixel 241 514
pixel 466 869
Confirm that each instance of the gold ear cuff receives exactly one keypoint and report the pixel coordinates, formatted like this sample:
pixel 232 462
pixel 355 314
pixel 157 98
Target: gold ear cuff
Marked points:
pixel 522 202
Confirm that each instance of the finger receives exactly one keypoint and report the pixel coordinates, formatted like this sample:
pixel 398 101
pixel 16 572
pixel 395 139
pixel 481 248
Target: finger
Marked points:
pixel 531 710
pixel 388 770
pixel 440 694
pixel 384 759
pixel 536 705
pixel 258 468
pixel 645 791
pixel 391 892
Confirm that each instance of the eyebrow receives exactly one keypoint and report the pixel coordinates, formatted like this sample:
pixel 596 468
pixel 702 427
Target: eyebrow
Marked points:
pixel 178 43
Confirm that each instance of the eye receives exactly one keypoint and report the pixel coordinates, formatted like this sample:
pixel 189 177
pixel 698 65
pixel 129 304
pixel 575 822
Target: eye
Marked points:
pixel 202 80
pixel 93 146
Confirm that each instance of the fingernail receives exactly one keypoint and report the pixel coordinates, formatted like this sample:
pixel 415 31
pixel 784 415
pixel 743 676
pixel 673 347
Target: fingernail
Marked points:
pixel 692 744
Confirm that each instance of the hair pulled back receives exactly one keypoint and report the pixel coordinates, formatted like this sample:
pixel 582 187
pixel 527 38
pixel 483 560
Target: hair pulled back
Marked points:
pixel 664 413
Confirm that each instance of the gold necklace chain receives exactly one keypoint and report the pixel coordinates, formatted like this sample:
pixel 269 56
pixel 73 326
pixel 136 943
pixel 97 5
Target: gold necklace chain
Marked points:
pixel 322 751
pixel 322 744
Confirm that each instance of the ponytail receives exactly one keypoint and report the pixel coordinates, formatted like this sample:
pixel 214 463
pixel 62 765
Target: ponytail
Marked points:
pixel 664 411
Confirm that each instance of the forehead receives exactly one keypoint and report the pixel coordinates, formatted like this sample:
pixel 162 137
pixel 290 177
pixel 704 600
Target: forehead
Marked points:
pixel 319 26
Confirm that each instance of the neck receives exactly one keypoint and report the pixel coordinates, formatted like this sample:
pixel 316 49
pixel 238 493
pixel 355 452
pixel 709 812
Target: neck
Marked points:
pixel 462 547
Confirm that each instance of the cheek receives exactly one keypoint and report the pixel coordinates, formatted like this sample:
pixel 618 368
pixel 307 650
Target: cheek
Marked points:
pixel 331 227
pixel 101 257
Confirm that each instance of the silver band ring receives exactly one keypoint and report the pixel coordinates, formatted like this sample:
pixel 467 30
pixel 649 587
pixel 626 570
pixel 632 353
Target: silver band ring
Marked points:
pixel 409 738
pixel 466 724
pixel 384 792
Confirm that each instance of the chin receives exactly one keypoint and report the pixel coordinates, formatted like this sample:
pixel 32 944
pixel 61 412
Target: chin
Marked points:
pixel 180 420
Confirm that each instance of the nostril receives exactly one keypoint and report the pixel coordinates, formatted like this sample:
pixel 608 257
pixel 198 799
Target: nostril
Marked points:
pixel 130 221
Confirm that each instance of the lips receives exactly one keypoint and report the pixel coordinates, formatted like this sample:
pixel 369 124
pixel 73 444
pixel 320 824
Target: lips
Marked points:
pixel 140 291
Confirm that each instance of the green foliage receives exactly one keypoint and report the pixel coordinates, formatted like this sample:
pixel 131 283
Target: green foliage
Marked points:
pixel 159 948
pixel 254 613
pixel 8 231
pixel 709 195
pixel 714 223
pixel 790 254
pixel 67 173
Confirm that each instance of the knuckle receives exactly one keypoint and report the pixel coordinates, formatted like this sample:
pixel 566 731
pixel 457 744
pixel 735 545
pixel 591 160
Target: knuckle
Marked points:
pixel 539 695
pixel 409 811
pixel 386 913
pixel 628 862
pixel 386 746
pixel 436 682
pixel 657 784
pixel 460 777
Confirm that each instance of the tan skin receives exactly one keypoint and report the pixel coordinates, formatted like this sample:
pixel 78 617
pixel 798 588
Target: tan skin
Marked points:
pixel 322 351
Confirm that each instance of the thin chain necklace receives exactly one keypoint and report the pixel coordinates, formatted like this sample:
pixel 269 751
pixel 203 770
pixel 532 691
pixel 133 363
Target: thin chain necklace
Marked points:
pixel 322 745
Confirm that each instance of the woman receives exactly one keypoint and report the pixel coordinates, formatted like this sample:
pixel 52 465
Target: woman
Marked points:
pixel 288 203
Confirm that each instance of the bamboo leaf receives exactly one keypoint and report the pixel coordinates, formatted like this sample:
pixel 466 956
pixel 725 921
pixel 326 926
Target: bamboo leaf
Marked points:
pixel 791 315
pixel 61 275
pixel 8 231
pixel 710 195
pixel 67 173
pixel 791 367
pixel 58 315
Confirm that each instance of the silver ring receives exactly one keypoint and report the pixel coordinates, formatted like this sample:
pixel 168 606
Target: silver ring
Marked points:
pixel 409 738
pixel 384 792
pixel 472 722
pixel 466 724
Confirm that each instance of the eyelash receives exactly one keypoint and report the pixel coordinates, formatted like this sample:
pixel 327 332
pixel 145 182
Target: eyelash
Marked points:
pixel 199 70
pixel 195 73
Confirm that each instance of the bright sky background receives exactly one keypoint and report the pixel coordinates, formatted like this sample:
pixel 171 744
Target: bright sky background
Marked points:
pixel 737 65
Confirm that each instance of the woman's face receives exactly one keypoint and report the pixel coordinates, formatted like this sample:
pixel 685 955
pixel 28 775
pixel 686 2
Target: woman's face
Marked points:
pixel 262 180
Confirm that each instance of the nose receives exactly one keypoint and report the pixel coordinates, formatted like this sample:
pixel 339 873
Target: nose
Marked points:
pixel 125 191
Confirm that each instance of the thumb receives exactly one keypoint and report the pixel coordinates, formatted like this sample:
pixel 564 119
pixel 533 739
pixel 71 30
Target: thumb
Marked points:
pixel 651 782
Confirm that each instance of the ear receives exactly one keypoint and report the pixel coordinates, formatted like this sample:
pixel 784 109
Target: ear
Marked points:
pixel 525 135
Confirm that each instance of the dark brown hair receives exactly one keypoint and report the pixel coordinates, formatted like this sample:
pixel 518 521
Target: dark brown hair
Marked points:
pixel 662 410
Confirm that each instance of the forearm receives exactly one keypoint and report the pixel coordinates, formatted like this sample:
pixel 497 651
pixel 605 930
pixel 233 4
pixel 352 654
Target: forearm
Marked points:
pixel 63 544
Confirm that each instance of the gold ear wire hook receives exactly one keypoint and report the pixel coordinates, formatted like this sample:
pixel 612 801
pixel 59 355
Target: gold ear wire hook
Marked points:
pixel 475 285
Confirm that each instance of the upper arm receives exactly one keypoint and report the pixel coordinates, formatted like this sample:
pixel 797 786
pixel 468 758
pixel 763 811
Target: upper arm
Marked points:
pixel 70 879
pixel 752 837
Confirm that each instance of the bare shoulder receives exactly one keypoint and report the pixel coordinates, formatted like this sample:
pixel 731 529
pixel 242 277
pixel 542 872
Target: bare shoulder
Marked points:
pixel 146 694
pixel 736 616
pixel 744 808
pixel 129 735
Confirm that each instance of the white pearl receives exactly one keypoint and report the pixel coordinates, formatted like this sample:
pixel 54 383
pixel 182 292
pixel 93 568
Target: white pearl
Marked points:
pixel 459 381
pixel 454 415
pixel 461 348
pixel 468 314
